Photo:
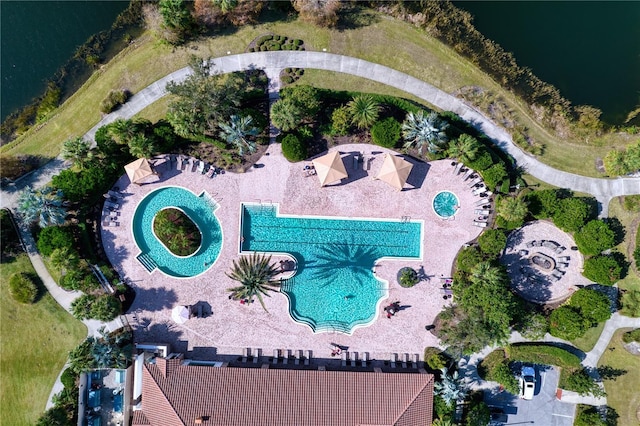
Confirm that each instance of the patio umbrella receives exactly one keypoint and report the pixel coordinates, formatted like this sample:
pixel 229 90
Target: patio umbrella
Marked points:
pixel 394 171
pixel 180 314
pixel 330 168
pixel 138 170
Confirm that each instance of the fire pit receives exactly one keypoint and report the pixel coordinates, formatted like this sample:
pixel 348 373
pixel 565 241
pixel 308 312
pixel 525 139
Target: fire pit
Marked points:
pixel 542 262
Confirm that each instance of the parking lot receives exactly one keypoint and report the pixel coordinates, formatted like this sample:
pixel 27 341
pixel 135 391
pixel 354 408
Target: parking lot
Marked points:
pixel 544 409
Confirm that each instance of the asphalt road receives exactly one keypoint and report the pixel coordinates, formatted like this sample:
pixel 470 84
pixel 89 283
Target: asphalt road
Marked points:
pixel 544 409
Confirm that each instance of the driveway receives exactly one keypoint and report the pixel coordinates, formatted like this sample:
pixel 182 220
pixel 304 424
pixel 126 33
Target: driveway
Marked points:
pixel 544 409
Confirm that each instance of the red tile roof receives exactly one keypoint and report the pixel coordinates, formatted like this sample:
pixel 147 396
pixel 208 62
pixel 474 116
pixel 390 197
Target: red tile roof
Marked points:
pixel 177 395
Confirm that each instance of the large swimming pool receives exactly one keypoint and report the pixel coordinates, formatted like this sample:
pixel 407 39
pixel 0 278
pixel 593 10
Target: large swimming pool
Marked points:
pixel 334 288
pixel 200 210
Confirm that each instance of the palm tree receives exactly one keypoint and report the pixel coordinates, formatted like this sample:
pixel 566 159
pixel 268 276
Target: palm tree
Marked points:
pixel 424 132
pixel 451 388
pixel 225 5
pixel 442 422
pixel 77 150
pixel 255 274
pixel 464 149
pixel 512 209
pixel 141 146
pixel 364 110
pixel 43 205
pixel 236 133
pixel 484 272
pixel 64 258
pixel 285 115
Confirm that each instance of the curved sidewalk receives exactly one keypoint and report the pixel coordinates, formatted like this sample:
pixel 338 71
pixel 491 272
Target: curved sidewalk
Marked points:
pixel 272 62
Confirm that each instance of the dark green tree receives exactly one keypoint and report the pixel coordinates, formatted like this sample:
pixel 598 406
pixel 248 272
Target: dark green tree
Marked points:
pixel 544 204
pixel 492 242
pixel 293 149
pixel 386 133
pixel 567 323
pixel 602 269
pixel 286 115
pixel 177 18
pixel 77 150
pixel 595 237
pixel 579 381
pixel 364 111
pixel 54 237
pixel 464 149
pixel 572 214
pixel 594 306
pixel 23 288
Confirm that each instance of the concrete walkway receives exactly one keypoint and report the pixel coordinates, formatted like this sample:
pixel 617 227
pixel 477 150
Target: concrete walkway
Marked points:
pixel 272 62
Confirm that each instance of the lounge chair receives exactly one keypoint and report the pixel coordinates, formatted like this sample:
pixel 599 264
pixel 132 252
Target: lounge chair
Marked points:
pixel 479 190
pixel 530 244
pixel 112 205
pixel 364 358
pixel 560 249
pixel 473 182
pixel 482 212
pixel 276 355
pixel 564 258
pixel 179 164
pixel 201 166
pixel 344 358
pixel 307 357
pixel 414 362
pixel 480 224
pixel 393 360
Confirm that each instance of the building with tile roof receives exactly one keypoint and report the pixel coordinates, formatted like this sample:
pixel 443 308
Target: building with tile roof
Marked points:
pixel 177 394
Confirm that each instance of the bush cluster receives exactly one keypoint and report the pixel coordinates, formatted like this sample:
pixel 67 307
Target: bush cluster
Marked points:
pixel 54 237
pixel 542 354
pixel 495 367
pixel 114 99
pixel 293 149
pixel 586 308
pixel 386 133
pixel 407 277
pixel 103 308
pixel 492 242
pixel 604 269
pixel 271 42
pixel 631 336
pixel 291 75
pixel 23 287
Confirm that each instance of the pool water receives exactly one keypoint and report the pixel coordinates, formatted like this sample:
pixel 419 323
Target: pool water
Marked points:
pixel 200 210
pixel 445 204
pixel 334 288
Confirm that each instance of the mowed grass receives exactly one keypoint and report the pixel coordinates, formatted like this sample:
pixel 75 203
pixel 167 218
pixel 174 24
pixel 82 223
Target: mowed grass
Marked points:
pixel 630 221
pixel 590 338
pixel 622 392
pixel 36 340
pixel 379 38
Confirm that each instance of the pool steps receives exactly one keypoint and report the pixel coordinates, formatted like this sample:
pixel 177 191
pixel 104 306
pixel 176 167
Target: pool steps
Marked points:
pixel 149 264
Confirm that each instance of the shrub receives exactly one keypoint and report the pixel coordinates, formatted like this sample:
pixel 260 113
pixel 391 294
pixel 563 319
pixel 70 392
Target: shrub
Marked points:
pixel 631 336
pixel 114 99
pixel 482 162
pixel 603 269
pixel 542 354
pixel 340 121
pixel 503 375
pixel 636 257
pixel 437 361
pixel 80 278
pixel 23 288
pixel 631 303
pixel 53 237
pixel 567 323
pixel 592 416
pixel 293 149
pixel 543 204
pixel 468 258
pixel 492 242
pixel 81 307
pixel 595 237
pixel 593 305
pixel 478 414
pixel 534 326
pixel 579 381
pixel 408 277
pixel 494 175
pixel 572 214
pixel 105 308
pixel 386 133
pixel 68 378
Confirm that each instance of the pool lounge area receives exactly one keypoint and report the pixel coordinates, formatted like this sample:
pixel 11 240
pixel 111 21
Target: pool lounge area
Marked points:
pixel 232 326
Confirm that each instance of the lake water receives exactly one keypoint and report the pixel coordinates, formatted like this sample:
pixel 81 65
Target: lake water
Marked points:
pixel 590 50
pixel 38 37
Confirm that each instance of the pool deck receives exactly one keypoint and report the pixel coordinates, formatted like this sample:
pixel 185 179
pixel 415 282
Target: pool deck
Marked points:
pixel 231 327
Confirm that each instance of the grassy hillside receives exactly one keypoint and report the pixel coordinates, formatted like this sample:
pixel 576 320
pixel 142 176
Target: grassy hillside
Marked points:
pixel 379 38
pixel 36 340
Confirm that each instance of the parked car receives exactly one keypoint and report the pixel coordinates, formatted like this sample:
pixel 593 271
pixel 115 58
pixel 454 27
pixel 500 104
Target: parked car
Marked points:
pixel 527 381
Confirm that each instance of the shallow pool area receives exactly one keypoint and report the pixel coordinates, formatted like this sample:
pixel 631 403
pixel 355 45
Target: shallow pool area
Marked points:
pixel 200 209
pixel 445 204
pixel 334 288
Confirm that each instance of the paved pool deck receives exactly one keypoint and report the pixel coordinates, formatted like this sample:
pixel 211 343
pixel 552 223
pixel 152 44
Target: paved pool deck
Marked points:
pixel 232 326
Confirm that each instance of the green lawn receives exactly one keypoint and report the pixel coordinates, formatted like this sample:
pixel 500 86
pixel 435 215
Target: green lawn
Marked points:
pixel 622 392
pixel 383 40
pixel 590 338
pixel 36 340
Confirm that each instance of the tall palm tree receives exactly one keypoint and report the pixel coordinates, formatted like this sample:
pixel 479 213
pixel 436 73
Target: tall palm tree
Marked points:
pixel 422 132
pixel 77 150
pixel 464 149
pixel 364 110
pixel 255 274
pixel 237 131
pixel 140 146
pixel 285 115
pixel 512 209
pixel 43 205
